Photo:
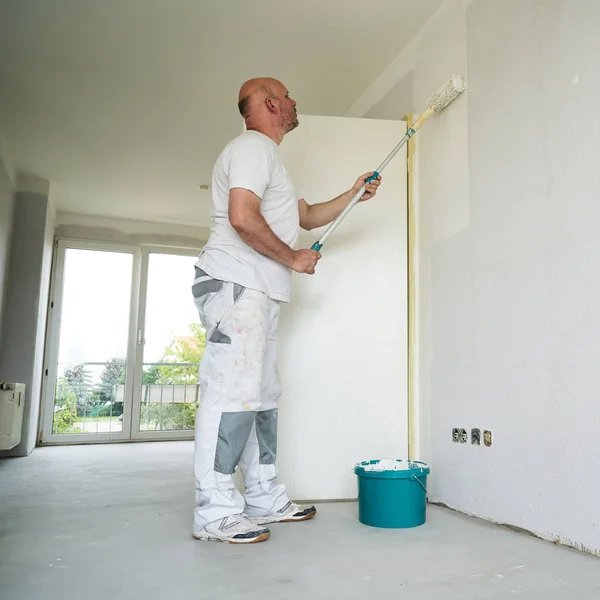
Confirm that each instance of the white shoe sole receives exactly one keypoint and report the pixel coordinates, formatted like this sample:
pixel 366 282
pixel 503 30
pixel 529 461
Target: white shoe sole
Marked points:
pixel 291 519
pixel 207 537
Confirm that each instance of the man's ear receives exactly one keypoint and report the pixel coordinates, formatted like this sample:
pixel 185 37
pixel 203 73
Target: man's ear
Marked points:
pixel 270 102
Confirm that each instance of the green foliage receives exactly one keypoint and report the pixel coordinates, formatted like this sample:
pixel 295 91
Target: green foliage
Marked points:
pixel 151 376
pixel 171 416
pixel 112 409
pixel 66 405
pixel 78 380
pixel 113 373
pixel 75 396
pixel 102 399
pixel 174 416
pixel 183 352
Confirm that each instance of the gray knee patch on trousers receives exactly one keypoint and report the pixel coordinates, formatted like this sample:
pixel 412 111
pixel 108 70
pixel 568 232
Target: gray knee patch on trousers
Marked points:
pixel 234 430
pixel 266 432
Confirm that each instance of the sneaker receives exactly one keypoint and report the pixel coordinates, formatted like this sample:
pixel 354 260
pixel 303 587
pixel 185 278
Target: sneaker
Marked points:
pixel 290 513
pixel 236 529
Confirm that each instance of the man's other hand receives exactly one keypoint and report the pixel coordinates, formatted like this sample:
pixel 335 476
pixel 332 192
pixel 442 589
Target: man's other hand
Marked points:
pixel 371 187
pixel 305 261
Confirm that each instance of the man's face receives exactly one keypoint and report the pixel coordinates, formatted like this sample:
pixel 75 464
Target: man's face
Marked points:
pixel 289 116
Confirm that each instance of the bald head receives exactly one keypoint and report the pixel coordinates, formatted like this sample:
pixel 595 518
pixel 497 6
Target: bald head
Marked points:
pixel 255 91
pixel 264 102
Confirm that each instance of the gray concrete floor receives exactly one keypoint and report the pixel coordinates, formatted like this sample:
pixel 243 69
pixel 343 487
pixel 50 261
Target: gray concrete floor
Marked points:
pixel 113 522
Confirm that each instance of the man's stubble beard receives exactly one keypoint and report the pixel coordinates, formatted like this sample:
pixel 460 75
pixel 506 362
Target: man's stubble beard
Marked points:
pixel 292 123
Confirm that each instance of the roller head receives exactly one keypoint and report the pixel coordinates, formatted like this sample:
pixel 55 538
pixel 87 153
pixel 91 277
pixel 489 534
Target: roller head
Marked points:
pixel 448 92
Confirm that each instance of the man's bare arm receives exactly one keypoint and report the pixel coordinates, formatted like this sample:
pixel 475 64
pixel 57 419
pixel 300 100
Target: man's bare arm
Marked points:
pixel 317 215
pixel 245 217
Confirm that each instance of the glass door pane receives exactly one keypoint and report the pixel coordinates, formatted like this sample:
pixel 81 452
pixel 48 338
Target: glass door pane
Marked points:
pixel 174 343
pixel 92 357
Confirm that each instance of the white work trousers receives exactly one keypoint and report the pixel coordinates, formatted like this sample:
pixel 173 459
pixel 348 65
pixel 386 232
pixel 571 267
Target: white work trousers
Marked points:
pixel 236 422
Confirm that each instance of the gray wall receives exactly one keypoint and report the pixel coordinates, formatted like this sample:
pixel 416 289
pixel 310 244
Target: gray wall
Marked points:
pixel 509 280
pixel 26 298
pixel 396 103
pixel 7 202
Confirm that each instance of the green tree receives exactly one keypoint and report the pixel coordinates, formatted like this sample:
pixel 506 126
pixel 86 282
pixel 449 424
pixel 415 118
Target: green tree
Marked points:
pixel 113 373
pixel 173 416
pixel 184 352
pixel 78 380
pixel 104 400
pixel 151 375
pixel 167 417
pixel 65 403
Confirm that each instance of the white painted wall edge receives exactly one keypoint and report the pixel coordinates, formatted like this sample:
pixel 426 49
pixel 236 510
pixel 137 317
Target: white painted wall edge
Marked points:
pixel 51 205
pixel 32 183
pixel 124 230
pixel 402 64
pixel 6 160
pixel 22 182
pixel 37 185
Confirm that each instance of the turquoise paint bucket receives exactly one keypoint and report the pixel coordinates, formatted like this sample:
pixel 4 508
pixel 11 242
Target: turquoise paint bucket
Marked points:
pixel 392 493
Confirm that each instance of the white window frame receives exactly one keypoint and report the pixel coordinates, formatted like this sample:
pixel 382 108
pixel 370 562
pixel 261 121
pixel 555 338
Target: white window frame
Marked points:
pixel 133 378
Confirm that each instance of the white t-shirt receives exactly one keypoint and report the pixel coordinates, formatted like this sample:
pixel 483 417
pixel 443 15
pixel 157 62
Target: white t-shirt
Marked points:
pixel 251 161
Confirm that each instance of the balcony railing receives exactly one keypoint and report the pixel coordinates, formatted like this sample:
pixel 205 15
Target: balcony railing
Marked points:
pixel 168 401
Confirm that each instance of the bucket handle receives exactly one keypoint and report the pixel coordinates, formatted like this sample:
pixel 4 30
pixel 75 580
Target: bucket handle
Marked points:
pixel 420 483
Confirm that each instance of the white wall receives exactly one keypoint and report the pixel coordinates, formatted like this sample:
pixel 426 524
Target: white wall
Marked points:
pixel 508 260
pixel 342 338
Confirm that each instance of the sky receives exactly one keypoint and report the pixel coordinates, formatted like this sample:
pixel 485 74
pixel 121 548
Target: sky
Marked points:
pixel 96 306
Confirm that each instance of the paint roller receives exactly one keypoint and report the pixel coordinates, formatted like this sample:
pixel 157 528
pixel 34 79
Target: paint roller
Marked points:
pixel 445 94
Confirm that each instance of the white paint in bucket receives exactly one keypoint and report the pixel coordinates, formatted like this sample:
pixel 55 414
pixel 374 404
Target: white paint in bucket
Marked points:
pixel 389 464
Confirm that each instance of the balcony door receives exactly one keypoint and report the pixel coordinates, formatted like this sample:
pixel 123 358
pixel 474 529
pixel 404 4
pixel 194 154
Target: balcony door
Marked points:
pixel 124 345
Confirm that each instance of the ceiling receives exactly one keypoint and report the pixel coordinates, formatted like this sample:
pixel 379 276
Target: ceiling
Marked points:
pixel 124 105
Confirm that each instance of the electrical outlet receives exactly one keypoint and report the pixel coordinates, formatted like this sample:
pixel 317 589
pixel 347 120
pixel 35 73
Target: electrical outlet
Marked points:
pixel 476 437
pixel 487 438
pixel 455 435
pixel 463 436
